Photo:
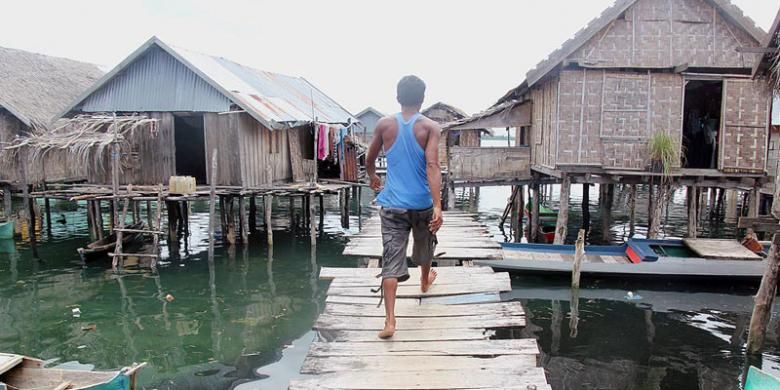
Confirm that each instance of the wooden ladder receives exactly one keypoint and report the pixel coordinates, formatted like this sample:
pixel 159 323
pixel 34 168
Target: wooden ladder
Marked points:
pixel 120 229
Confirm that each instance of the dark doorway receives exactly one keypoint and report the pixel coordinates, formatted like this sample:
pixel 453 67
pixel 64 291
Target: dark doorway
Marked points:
pixel 190 147
pixel 701 123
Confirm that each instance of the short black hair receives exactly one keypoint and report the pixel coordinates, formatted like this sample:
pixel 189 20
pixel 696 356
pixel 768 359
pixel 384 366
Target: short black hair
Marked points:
pixel 411 91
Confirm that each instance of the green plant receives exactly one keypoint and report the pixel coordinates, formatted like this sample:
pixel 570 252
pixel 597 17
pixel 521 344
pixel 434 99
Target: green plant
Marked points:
pixel 665 150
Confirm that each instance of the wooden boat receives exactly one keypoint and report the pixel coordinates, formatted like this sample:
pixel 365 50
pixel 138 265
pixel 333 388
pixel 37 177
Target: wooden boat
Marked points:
pixel 107 244
pixel 760 380
pixel 23 373
pixel 6 230
pixel 689 258
pixel 548 218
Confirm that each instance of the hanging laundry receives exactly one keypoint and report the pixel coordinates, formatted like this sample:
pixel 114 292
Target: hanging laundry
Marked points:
pixel 331 143
pixel 343 132
pixel 322 142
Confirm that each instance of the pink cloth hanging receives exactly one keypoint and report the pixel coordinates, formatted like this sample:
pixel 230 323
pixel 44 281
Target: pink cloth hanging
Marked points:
pixel 322 142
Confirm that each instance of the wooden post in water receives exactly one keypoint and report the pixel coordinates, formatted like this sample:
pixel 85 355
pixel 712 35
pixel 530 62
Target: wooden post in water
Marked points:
pixel 47 209
pixel 631 210
pixel 312 226
pixel 252 213
pixel 563 211
pixel 212 201
pixel 579 255
pixel 119 229
pixel 231 221
pixel 692 217
pixel 762 309
pixel 753 203
pixel 157 225
pixel 344 207
pixel 656 205
pixel 173 209
pixel 98 219
pixel 149 214
pixel 450 193
pixel 268 200
pixel 7 202
pixel 242 218
pixel 91 221
pixel 586 207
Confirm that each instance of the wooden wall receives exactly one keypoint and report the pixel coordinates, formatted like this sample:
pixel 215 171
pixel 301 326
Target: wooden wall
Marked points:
pixel 265 154
pixel 150 160
pixel 465 138
pixel 222 134
pixel 668 33
pixel 606 117
pixel 490 163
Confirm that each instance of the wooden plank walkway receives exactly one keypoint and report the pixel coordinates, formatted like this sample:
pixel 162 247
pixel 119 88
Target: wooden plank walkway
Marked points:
pixel 443 338
pixel 461 237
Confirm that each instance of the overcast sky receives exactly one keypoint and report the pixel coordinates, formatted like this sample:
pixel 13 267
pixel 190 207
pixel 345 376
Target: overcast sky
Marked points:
pixel 468 52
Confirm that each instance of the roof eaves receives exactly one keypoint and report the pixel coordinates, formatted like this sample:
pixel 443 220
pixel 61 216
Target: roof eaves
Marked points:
pixel 18 114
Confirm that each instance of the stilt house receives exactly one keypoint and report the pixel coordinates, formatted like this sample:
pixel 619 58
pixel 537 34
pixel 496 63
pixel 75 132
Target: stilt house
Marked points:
pixel 443 114
pixel 681 67
pixel 259 123
pixel 34 88
pixel 368 119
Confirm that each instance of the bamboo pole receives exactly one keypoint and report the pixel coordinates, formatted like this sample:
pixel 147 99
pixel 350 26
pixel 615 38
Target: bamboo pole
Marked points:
pixel 579 255
pixel 535 213
pixel 115 171
pixel 158 220
pixel 563 211
pixel 762 309
pixel 520 214
pixel 120 233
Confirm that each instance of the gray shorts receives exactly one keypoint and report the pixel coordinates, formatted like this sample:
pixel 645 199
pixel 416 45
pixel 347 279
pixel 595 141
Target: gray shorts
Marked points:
pixel 396 224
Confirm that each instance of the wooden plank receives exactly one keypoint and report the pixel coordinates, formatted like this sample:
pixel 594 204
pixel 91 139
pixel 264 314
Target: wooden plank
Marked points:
pixel 430 310
pixel 510 364
pixel 720 249
pixel 478 279
pixel 326 321
pixel 464 299
pixel 337 272
pixel 9 361
pixel 532 378
pixel 760 224
pixel 332 335
pixel 427 348
pixel 449 253
pixel 435 290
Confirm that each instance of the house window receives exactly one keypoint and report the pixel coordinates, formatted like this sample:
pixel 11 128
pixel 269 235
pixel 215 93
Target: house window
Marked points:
pixel 522 136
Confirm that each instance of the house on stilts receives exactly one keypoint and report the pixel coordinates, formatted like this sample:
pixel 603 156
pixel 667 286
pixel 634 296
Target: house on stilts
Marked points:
pixel 34 88
pixel 260 124
pixel 642 68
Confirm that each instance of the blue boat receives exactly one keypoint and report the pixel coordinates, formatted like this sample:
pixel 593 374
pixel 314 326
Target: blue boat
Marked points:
pixel 7 230
pixel 25 373
pixel 760 380
pixel 690 259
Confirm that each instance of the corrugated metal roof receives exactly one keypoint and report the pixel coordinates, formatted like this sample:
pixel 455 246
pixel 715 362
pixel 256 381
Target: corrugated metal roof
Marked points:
pixel 278 101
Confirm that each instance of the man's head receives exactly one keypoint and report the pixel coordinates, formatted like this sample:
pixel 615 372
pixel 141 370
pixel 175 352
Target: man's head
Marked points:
pixel 411 91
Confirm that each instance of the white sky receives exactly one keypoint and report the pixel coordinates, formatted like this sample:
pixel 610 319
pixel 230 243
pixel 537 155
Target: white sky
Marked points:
pixel 468 52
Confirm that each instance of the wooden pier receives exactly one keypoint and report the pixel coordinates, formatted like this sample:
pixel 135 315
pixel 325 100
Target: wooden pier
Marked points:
pixel 461 237
pixel 443 338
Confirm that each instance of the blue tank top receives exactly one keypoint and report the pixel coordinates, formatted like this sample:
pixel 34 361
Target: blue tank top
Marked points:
pixel 406 186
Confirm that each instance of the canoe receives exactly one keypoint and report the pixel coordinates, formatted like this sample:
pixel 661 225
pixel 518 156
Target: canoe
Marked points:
pixel 548 218
pixel 7 230
pixel 638 258
pixel 760 380
pixel 102 247
pixel 25 373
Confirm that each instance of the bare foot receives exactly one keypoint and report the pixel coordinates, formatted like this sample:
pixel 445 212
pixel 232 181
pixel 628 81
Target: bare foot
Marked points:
pixel 425 285
pixel 388 331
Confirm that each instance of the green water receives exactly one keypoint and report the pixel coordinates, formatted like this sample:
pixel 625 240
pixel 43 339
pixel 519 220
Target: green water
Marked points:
pixel 244 319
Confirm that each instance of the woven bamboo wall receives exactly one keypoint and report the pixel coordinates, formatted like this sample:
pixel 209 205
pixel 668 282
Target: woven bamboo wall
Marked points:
pixel 745 130
pixel 667 33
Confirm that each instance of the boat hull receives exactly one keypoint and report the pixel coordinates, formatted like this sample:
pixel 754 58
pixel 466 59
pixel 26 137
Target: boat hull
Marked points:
pixel 7 230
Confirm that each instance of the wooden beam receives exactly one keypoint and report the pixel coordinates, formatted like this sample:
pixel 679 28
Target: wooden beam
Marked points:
pixel 563 211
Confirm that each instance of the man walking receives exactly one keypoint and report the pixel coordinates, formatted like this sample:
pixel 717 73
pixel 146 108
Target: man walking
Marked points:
pixel 411 198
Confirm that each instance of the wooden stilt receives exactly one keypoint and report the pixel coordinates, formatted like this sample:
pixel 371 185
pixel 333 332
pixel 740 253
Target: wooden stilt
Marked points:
pixel 252 214
pixel 359 207
pixel 223 216
pixel 7 202
pixel 631 210
pixel 149 220
pixel 651 200
pixel 312 226
pixel 213 202
pixel 119 228
pixel 450 195
pixel 762 310
pixel 91 221
pixel 322 210
pixel 586 207
pixel 47 210
pixel 658 207
pixel 231 221
pixel 563 211
pixel 243 220
pixel 720 201
pixel 520 214
pixel 173 219
pixel 692 217
pixel 753 202
pixel 605 210
pixel 269 231
pixel 510 211
pixel 579 254
pixel 98 219
pixel 345 208
pixel 713 200
pixel 157 225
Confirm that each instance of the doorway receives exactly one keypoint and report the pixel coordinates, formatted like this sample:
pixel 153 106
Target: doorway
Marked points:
pixel 701 123
pixel 190 147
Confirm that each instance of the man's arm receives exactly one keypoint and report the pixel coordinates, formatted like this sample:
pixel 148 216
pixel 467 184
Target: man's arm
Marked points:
pixel 373 152
pixel 434 173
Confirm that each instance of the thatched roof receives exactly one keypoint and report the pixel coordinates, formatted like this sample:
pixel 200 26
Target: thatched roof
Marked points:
pixel 768 64
pixel 444 113
pixel 35 88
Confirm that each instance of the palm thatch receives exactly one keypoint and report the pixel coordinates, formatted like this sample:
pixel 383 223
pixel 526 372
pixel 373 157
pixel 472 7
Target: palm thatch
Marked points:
pixel 84 139
pixel 35 87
